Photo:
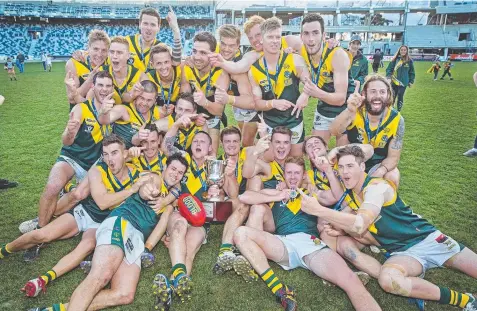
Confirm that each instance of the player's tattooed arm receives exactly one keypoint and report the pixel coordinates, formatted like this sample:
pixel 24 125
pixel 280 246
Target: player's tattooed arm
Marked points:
pixel 397 141
pixel 394 152
pixel 169 148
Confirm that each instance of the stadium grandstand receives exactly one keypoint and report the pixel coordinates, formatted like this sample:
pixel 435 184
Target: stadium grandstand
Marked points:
pixel 429 28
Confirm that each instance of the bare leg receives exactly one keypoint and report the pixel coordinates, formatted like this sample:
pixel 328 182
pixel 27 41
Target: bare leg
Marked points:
pixel 329 240
pixel 328 265
pixel 296 150
pixel 325 134
pixel 194 238
pixel 214 134
pixel 106 261
pixel 74 258
pixel 235 220
pixel 261 218
pixel 350 249
pixel 60 174
pixel 394 176
pixel 71 199
pixel 63 227
pixel 177 229
pixel 123 288
pixel 465 261
pixel 248 133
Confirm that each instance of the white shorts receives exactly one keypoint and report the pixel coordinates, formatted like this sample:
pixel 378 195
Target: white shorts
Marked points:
pixel 297 133
pixel 321 123
pixel 298 245
pixel 118 231
pixel 213 123
pixel 83 220
pixel 244 115
pixel 80 172
pixel 433 251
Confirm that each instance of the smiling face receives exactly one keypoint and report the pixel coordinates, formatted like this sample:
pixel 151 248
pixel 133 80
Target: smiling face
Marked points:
pixel 228 47
pixel 255 38
pixel 293 174
pixel 118 55
pixel 272 40
pixel 403 51
pixel 201 146
pixel 312 37
pixel 152 145
pixel 350 170
pixel 377 97
pixel 231 144
pixel 313 146
pixel 162 63
pixel 145 101
pixel 149 27
pixel 281 144
pixel 354 46
pixel 200 54
pixel 183 107
pixel 114 155
pixel 98 52
pixel 102 88
pixel 174 172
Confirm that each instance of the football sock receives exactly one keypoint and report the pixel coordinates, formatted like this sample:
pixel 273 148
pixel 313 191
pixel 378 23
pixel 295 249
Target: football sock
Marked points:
pixel 49 276
pixel 272 281
pixel 453 298
pixel 178 269
pixel 4 251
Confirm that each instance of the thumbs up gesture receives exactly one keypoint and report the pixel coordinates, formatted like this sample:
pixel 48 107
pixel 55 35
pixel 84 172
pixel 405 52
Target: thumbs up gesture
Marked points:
pixel 221 96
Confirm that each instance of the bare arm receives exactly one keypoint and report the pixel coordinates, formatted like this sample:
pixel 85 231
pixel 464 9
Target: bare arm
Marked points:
pixel 245 99
pixel 294 42
pixel 216 108
pixel 394 151
pixel 167 145
pixel 259 103
pixel 254 166
pixel 72 127
pixel 260 197
pixel 130 95
pixel 475 79
pixel 159 230
pixel 185 86
pixel 118 112
pixel 243 65
pixel 342 121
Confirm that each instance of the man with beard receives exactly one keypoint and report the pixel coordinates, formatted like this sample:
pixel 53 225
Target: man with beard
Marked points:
pixel 234 185
pixel 375 123
pixel 84 71
pixel 82 140
pixel 149 157
pixel 111 182
pixel 239 93
pixel 166 74
pixel 130 117
pixel 275 85
pixel 140 44
pixel 330 82
pixel 411 243
pixel 120 242
pixel 293 243
pixel 359 64
pixel 203 80
pixel 185 240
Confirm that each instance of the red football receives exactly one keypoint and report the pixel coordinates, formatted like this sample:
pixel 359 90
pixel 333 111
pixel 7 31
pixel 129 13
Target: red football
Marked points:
pixel 191 209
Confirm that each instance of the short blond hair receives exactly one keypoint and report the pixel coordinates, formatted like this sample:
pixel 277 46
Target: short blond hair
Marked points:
pixel 98 35
pixel 120 40
pixel 270 24
pixel 160 48
pixel 251 22
pixel 230 31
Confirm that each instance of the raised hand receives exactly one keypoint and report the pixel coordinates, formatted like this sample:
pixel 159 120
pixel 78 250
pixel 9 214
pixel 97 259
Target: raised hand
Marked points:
pixel 262 127
pixel 309 204
pixel 230 167
pixel 355 100
pixel 78 56
pixel 221 96
pixel 107 104
pixel 301 104
pixel 282 104
pixel 70 81
pixel 186 120
pixel 262 145
pixel 135 152
pixel 73 124
pixel 137 90
pixel 172 20
pixel 216 59
pixel 143 133
pixel 199 97
pixel 311 88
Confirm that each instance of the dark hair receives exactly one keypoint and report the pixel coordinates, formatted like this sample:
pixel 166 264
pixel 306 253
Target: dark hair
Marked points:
pixel 151 12
pixel 313 17
pixel 307 138
pixel 102 74
pixel 177 157
pixel 377 77
pixel 205 133
pixel 230 130
pixel 159 48
pixel 282 130
pixel 113 139
pixel 355 151
pixel 149 86
pixel 189 98
pixel 153 128
pixel 205 36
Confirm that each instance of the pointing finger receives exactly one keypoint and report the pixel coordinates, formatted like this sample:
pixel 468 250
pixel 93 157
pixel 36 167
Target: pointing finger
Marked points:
pixel 357 84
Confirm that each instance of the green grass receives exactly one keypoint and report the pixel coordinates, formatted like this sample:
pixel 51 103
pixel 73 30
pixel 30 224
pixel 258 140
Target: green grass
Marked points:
pixel 437 181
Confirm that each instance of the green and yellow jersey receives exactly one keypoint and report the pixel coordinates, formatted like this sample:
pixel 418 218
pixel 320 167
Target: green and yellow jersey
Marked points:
pixel 325 79
pixel 321 182
pixel 133 76
pixel 281 82
pixel 206 84
pixel 195 179
pixel 87 146
pixel 233 87
pixel 83 69
pixel 127 129
pixel 139 58
pixel 167 93
pixel 138 212
pixel 157 165
pixel 184 137
pixel 276 176
pixel 289 218
pixel 379 137
pixel 242 182
pixel 113 185
pixel 397 228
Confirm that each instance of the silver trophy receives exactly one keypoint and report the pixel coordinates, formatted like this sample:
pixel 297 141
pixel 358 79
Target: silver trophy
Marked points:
pixel 215 170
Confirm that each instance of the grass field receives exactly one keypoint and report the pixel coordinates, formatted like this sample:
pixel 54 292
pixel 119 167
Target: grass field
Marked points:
pixel 437 181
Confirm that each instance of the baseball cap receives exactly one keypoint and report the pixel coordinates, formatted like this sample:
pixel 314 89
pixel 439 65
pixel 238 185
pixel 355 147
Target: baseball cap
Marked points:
pixel 355 38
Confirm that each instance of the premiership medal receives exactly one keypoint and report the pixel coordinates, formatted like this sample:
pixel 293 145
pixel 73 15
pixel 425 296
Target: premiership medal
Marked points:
pixel 293 194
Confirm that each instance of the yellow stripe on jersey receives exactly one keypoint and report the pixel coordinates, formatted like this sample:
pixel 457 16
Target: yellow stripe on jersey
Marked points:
pixel 133 76
pixel 196 177
pixel 136 119
pixel 88 117
pixel 156 165
pixel 153 75
pixel 200 83
pixel 140 58
pixel 110 182
pixel 83 69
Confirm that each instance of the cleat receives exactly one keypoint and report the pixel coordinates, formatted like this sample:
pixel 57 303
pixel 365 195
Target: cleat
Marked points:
pixel 287 298
pixel 162 291
pixel 85 266
pixel 34 287
pixel 472 304
pixel 32 253
pixel 243 268
pixel 419 303
pixel 363 277
pixel 225 262
pixel 28 225
pixel 183 287
pixel 147 259
pixel 471 153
